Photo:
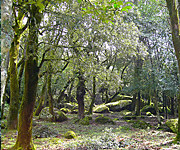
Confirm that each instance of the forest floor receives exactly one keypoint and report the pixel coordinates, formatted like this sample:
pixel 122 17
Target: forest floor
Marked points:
pixel 98 136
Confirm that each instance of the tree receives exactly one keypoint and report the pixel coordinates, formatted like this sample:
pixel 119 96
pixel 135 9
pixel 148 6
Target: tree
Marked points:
pixel 175 28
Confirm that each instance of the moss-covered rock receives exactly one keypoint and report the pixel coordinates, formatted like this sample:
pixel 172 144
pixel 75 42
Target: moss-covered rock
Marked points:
pixel 103 120
pixel 65 110
pixel 70 135
pixel 60 116
pixel 71 106
pixel 84 121
pixel 45 114
pixel 140 124
pixel 148 113
pixel 122 97
pixel 119 105
pixel 101 109
pixel 172 124
pixel 149 108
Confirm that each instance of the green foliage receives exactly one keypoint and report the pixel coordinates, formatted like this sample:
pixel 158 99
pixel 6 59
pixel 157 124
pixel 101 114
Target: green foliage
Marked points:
pixel 140 124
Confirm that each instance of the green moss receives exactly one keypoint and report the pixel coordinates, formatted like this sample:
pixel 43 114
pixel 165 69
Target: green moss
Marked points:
pixel 148 113
pixel 101 109
pixel 103 120
pixel 140 124
pixel 71 106
pixel 61 116
pixel 149 108
pixel 119 105
pixel 84 121
pixel 172 124
pixel 122 97
pixel 65 110
pixel 70 135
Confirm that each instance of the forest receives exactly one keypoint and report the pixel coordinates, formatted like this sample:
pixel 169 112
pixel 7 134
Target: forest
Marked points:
pixel 90 74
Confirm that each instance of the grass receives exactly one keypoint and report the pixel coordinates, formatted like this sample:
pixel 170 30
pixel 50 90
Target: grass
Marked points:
pixel 132 138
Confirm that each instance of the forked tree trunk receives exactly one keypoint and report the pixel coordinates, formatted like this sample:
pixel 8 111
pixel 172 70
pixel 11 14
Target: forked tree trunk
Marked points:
pixel 24 138
pixel 80 95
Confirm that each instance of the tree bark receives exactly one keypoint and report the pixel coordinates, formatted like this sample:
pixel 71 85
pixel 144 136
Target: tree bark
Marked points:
pixel 80 95
pixel 93 95
pixel 24 138
pixel 175 27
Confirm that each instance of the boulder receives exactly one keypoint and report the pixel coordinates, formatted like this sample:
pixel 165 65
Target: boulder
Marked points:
pixel 172 124
pixel 122 97
pixel 149 108
pixel 119 105
pixel 65 110
pixel 70 135
pixel 101 109
pixel 59 116
pixel 104 120
pixel 71 106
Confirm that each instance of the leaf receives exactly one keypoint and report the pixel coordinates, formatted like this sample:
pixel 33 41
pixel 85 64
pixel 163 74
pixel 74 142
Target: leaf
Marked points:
pixel 79 1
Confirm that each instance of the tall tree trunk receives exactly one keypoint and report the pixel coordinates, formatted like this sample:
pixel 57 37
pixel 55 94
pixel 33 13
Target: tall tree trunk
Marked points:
pixel 175 27
pixel 12 121
pixel 24 138
pixel 133 105
pixel 93 95
pixel 80 95
pixel 172 105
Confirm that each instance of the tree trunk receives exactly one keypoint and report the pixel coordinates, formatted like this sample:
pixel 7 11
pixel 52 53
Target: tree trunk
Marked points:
pixel 93 96
pixel 175 27
pixel 4 96
pixel 133 105
pixel 24 138
pixel 12 121
pixel 172 105
pixel 156 107
pixel 138 107
pixel 80 95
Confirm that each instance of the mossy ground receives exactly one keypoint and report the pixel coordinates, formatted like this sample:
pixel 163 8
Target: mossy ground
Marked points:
pixel 142 138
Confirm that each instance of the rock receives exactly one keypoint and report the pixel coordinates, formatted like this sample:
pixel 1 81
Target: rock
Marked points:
pixel 140 124
pixel 101 109
pixel 149 108
pixel 148 113
pixel 103 120
pixel 172 124
pixel 122 97
pixel 65 110
pixel 70 135
pixel 84 121
pixel 119 105
pixel 71 106
pixel 59 116
pixel 43 132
